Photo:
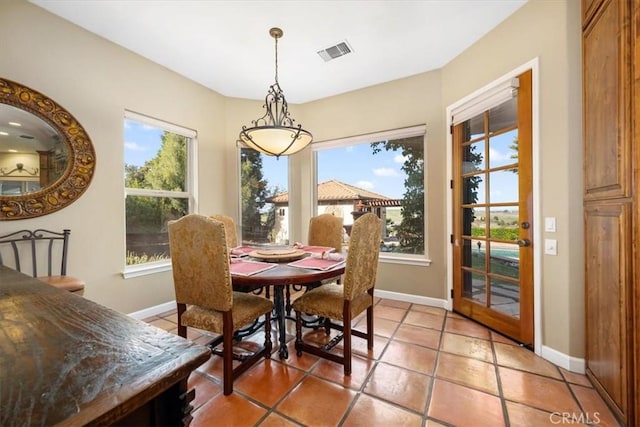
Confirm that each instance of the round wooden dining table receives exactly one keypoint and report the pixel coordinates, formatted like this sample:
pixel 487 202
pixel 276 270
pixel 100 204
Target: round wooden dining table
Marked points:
pixel 279 278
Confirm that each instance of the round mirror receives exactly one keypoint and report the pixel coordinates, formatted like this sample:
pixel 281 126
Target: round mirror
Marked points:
pixel 46 157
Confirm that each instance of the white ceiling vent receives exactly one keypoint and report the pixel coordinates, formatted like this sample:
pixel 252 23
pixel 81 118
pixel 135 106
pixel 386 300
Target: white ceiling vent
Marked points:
pixel 334 52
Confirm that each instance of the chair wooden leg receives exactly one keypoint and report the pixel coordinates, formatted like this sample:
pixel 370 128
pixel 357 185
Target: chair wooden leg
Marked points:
pixel 227 353
pixel 346 336
pixel 370 327
pixel 182 330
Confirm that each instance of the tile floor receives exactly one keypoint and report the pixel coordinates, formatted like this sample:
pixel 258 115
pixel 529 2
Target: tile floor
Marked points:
pixel 429 367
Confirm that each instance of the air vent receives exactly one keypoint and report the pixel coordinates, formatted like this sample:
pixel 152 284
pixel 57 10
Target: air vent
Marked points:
pixel 334 52
pixel 26 136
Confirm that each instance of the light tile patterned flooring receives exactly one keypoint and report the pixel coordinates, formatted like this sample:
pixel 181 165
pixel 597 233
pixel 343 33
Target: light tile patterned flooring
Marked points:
pixel 429 367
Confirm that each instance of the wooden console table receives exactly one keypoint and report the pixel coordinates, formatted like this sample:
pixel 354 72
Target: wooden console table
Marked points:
pixel 65 360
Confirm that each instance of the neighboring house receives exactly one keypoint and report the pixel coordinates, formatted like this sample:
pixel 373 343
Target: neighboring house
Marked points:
pixel 341 199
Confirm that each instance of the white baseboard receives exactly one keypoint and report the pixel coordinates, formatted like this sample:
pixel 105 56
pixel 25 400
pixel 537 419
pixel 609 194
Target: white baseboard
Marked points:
pixel 415 299
pixel 154 311
pixel 570 363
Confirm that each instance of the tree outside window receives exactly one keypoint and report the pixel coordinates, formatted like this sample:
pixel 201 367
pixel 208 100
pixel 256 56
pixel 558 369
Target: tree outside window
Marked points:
pixel 261 178
pixel 157 188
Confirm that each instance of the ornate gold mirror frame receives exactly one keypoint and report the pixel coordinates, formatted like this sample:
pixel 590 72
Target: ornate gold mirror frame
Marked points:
pixel 81 158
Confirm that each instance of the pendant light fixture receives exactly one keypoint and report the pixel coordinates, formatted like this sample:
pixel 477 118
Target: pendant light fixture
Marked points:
pixel 274 134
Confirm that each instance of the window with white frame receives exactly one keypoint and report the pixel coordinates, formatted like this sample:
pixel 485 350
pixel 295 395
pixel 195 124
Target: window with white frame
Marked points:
pixel 264 198
pixel 381 173
pixel 159 185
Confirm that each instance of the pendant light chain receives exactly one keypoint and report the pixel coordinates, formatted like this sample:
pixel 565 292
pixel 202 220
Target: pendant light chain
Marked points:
pixel 276 59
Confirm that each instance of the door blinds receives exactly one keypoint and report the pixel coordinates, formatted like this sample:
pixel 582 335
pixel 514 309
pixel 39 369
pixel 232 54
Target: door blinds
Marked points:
pixel 481 102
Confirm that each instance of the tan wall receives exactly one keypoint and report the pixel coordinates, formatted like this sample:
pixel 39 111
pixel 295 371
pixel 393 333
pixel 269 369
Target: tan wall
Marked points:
pixel 549 30
pixel 96 81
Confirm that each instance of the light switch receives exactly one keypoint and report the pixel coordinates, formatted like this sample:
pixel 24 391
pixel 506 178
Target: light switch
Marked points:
pixel 550 224
pixel 550 246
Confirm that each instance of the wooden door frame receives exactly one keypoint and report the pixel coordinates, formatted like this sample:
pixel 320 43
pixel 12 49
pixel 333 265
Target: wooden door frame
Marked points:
pixel 532 65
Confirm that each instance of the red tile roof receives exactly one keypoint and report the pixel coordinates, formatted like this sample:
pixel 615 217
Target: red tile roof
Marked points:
pixel 334 190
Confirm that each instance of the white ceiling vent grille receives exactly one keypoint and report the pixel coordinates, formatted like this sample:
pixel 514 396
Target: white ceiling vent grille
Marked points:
pixel 334 52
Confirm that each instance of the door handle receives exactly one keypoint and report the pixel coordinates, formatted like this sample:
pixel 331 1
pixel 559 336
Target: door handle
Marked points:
pixel 524 242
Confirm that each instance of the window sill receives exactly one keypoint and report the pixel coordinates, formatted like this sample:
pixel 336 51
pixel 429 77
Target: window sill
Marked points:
pixel 162 266
pixel 405 260
pixel 145 269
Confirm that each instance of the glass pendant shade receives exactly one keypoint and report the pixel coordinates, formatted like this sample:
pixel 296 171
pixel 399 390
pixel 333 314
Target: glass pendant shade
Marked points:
pixel 275 134
pixel 276 140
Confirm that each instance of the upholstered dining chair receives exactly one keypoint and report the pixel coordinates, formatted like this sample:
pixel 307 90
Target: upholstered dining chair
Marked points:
pixel 344 302
pixel 204 294
pixel 45 250
pixel 326 230
pixel 229 229
pixel 232 242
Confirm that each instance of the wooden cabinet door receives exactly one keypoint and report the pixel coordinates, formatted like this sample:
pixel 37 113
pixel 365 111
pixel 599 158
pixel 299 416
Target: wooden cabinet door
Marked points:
pixel 606 81
pixel 608 297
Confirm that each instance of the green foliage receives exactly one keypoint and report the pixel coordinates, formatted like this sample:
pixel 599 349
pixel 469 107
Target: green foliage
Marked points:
pixel 134 176
pixel 502 233
pixel 256 223
pixel 514 154
pixel 499 233
pixel 166 171
pixel 411 229
pixel 133 258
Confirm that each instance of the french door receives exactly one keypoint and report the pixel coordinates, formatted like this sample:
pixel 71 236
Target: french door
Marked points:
pixel 493 216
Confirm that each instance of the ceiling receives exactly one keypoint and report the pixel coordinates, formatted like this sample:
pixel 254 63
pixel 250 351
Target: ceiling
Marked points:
pixel 23 132
pixel 226 46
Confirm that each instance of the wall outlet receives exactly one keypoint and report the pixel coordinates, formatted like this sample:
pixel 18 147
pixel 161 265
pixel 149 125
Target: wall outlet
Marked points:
pixel 550 246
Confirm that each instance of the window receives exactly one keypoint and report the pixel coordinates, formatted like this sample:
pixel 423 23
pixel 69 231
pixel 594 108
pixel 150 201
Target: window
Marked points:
pixel 381 173
pixel 159 187
pixel 19 187
pixel 264 194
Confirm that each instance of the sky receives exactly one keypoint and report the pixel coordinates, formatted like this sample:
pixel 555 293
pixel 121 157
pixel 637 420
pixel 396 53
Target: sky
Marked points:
pixel 355 165
pixel 141 142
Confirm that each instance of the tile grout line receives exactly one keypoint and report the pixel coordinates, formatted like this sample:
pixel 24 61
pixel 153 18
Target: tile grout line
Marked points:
pixel 425 414
pixel 503 401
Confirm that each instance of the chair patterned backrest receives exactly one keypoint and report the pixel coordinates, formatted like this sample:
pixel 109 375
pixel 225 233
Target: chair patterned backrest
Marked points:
pixel 38 249
pixel 229 228
pixel 200 261
pixel 326 230
pixel 362 259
